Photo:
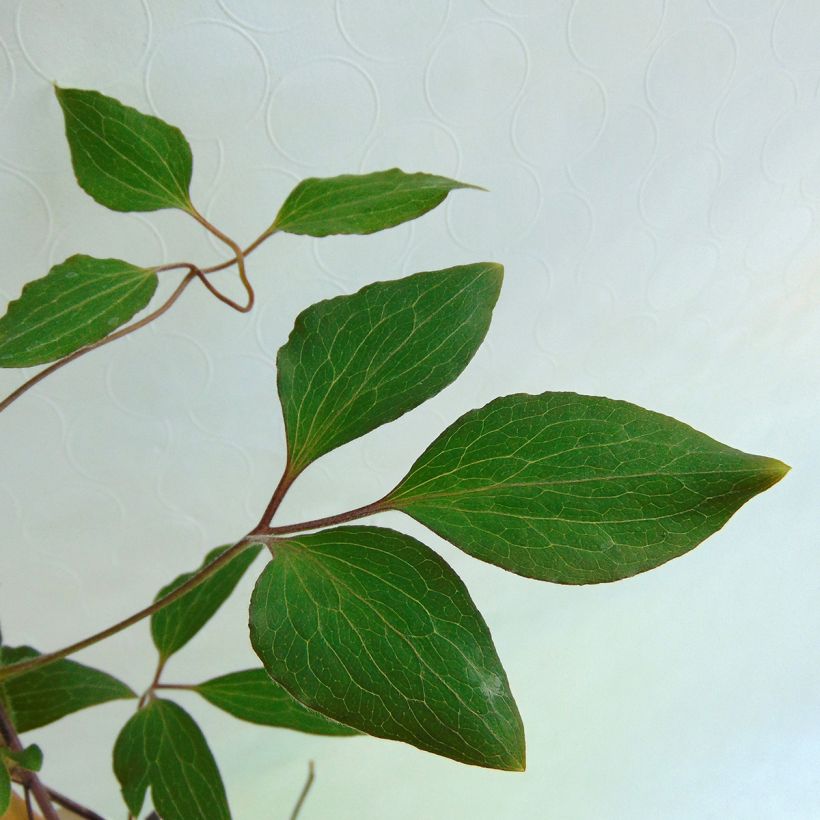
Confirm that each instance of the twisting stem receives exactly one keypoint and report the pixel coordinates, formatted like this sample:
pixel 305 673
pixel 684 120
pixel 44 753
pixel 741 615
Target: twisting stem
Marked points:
pixel 72 805
pixel 194 581
pixel 305 789
pixel 29 779
pixel 329 521
pixel 240 255
pixel 118 334
pixel 249 250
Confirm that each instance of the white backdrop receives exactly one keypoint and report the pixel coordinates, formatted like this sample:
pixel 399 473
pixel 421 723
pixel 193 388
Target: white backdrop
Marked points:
pixel 654 177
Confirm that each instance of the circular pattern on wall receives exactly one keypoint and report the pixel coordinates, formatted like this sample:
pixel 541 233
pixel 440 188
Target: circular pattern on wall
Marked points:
pixel 6 76
pixel 363 24
pixel 476 73
pixel 77 44
pixel 28 223
pixel 417 145
pixel 796 33
pixel 322 109
pixel 219 86
pixel 267 15
pixel 615 33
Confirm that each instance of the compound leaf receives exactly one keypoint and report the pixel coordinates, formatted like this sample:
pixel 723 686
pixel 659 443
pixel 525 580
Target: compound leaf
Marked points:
pixel 356 362
pixel 361 203
pixel 373 629
pixel 174 625
pixel 162 747
pixel 41 696
pixel 76 303
pixel 251 695
pixel 577 489
pixel 126 160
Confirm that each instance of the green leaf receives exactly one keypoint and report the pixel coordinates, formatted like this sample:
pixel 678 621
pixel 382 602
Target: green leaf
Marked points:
pixel 356 362
pixel 361 203
pixel 251 695
pixel 5 789
pixel 30 758
pixel 43 695
pixel 162 747
pixel 174 625
pixel 126 160
pixel 76 303
pixel 373 629
pixel 577 489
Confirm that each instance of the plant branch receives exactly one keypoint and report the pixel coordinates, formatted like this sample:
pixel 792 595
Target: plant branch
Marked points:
pixel 305 789
pixel 29 779
pixel 329 521
pixel 288 477
pixel 118 334
pixel 239 256
pixel 194 581
pixel 72 805
pixel 188 687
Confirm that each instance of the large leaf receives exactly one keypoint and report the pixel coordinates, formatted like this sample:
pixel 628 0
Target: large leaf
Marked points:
pixel 355 362
pixel 361 203
pixel 174 625
pixel 126 160
pixel 373 629
pixel 76 303
pixel 251 695
pixel 577 489
pixel 162 747
pixel 43 695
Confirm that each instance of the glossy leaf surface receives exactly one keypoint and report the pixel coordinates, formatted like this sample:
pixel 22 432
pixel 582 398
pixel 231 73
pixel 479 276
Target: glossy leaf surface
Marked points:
pixel 126 160
pixel 356 362
pixel 372 628
pixel 251 695
pixel 174 625
pixel 162 747
pixel 361 203
pixel 44 695
pixel 577 489
pixel 76 303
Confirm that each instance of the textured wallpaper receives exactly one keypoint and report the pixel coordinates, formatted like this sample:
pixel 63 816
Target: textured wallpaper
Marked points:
pixel 653 176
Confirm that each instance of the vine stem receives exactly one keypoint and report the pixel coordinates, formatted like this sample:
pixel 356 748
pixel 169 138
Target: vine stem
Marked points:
pixel 30 779
pixel 261 535
pixel 305 789
pixel 117 334
pixel 239 256
pixel 72 805
pixel 194 581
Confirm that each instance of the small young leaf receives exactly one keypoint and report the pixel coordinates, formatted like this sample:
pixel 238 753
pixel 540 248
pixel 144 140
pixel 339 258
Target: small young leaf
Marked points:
pixel 44 695
pixel 251 695
pixel 5 788
pixel 356 362
pixel 30 758
pixel 577 489
pixel 373 629
pixel 126 160
pixel 174 625
pixel 361 203
pixel 76 303
pixel 162 747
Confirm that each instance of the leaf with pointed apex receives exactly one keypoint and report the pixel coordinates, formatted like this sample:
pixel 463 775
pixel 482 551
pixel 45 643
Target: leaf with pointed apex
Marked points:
pixel 43 695
pixel 356 362
pixel 362 203
pixel 174 625
pixel 251 695
pixel 30 758
pixel 77 303
pixel 373 629
pixel 577 489
pixel 162 747
pixel 5 788
pixel 126 160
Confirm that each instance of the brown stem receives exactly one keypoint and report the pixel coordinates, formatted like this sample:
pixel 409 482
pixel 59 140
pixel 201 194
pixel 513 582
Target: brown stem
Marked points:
pixel 305 789
pixel 29 779
pixel 118 334
pixel 194 581
pixel 329 521
pixel 288 477
pixel 239 256
pixel 188 687
pixel 72 805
